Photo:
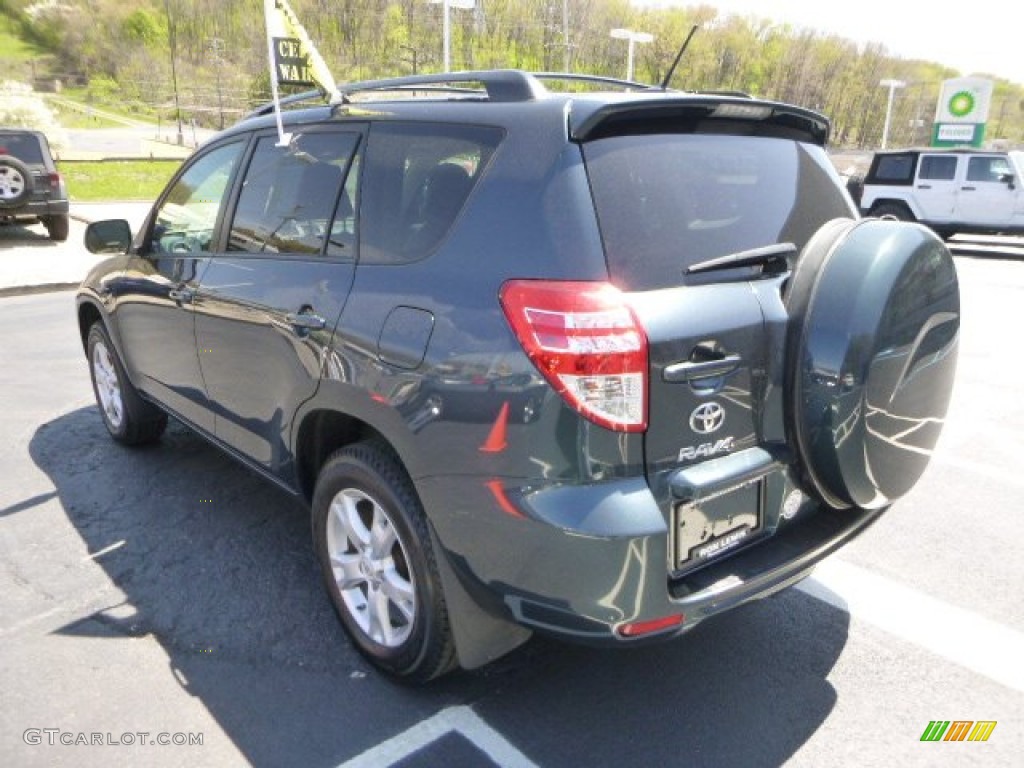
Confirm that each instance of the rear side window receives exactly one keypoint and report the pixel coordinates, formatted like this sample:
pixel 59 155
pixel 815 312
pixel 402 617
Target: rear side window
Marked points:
pixel 666 202
pixel 894 169
pixel 289 195
pixel 938 168
pixel 23 146
pixel 417 180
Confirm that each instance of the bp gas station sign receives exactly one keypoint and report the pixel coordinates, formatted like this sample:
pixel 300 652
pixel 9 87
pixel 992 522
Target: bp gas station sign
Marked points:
pixel 962 112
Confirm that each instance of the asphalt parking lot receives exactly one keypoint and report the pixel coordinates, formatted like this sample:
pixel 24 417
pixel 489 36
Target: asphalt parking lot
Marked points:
pixel 171 593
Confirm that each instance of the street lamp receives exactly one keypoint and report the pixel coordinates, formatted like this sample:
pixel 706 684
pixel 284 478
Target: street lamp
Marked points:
pixel 446 28
pixel 633 38
pixel 892 85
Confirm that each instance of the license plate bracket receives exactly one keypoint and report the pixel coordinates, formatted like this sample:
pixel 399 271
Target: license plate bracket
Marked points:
pixel 707 529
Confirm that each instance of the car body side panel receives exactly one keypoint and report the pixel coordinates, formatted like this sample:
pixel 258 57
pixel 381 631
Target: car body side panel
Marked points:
pixel 245 332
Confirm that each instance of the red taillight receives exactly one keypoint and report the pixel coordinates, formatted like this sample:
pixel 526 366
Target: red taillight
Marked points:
pixel 54 181
pixel 589 345
pixel 650 627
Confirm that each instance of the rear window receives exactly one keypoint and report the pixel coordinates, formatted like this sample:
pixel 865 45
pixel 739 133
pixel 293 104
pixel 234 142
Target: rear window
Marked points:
pixel 894 169
pixel 666 202
pixel 23 146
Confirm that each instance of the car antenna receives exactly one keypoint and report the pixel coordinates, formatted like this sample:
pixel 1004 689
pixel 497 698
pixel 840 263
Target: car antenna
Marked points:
pixel 679 56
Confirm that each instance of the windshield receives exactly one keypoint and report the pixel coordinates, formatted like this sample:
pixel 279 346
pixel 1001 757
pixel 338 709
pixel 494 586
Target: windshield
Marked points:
pixel 667 202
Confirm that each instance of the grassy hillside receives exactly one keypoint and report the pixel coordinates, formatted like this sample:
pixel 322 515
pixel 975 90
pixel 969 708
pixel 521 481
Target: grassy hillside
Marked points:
pixel 218 53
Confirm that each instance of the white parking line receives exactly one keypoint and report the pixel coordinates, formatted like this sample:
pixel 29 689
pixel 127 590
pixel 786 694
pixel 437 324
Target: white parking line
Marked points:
pixel 965 638
pixel 459 719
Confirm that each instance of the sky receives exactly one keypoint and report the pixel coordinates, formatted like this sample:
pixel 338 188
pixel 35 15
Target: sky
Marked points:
pixel 980 38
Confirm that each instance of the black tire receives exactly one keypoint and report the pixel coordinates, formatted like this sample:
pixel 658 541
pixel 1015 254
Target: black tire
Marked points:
pixel 128 418
pixel 893 210
pixel 366 486
pixel 15 181
pixel 58 227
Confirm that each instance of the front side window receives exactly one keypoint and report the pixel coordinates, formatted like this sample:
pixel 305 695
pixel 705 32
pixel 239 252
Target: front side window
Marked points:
pixel 987 168
pixel 938 167
pixel 187 217
pixel 289 195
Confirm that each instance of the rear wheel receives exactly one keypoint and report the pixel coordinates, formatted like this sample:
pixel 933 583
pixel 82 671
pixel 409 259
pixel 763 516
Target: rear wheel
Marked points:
pixel 373 544
pixel 128 418
pixel 892 211
pixel 57 227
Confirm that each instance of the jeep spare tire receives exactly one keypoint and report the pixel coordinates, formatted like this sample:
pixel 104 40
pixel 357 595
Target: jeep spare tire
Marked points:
pixel 874 310
pixel 15 181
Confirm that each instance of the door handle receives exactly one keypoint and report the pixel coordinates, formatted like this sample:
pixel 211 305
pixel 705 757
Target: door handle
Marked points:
pixel 181 295
pixel 968 189
pixel 306 321
pixel 924 186
pixel 703 369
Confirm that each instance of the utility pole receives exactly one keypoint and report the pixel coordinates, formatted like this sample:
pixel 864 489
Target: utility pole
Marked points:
pixel 216 46
pixel 414 58
pixel 565 35
pixel 174 69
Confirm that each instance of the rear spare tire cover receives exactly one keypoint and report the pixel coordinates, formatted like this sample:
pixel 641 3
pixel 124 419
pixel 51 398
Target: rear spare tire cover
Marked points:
pixel 874 312
pixel 15 181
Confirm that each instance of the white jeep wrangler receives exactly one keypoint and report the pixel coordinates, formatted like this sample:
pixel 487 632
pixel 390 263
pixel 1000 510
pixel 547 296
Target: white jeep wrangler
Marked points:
pixel 950 190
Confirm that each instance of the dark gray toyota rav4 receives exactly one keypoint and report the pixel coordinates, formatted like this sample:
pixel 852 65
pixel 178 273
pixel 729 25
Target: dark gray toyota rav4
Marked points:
pixel 598 365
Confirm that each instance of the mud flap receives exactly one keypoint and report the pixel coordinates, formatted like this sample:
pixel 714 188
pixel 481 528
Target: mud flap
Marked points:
pixel 480 637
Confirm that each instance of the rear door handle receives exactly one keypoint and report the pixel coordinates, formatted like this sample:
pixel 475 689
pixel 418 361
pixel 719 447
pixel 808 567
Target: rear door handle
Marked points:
pixel 306 321
pixel 181 295
pixel 703 369
pixel 968 189
pixel 924 186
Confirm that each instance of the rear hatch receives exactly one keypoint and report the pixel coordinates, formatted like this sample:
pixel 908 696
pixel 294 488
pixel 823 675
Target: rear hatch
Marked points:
pixel 675 192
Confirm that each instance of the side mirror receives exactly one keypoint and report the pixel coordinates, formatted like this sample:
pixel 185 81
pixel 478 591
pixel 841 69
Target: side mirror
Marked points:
pixel 110 236
pixel 1008 178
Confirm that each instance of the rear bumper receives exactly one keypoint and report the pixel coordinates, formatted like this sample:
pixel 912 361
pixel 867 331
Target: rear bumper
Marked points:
pixel 582 562
pixel 35 209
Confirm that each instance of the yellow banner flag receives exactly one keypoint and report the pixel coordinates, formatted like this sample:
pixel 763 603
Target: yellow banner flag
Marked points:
pixel 294 58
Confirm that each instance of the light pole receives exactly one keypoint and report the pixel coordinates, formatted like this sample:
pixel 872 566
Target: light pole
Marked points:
pixel 446 27
pixel 892 85
pixel 633 38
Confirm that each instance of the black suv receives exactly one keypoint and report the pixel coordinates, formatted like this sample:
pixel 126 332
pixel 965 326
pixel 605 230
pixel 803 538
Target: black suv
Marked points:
pixel 598 365
pixel 31 190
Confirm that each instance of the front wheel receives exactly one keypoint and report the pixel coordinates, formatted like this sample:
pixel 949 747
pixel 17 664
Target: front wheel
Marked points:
pixel 128 418
pixel 373 545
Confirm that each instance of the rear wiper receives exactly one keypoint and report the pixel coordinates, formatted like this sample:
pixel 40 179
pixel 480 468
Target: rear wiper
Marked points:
pixel 771 258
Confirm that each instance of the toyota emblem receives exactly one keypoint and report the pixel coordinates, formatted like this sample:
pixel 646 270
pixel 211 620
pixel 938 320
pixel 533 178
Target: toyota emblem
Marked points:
pixel 707 418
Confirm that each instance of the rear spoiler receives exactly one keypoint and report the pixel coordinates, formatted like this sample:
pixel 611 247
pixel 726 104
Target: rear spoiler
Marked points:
pixel 696 114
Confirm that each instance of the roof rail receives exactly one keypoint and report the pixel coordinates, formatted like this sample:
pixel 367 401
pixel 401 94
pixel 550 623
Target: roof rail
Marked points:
pixel 503 85
pixel 295 98
pixel 595 79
